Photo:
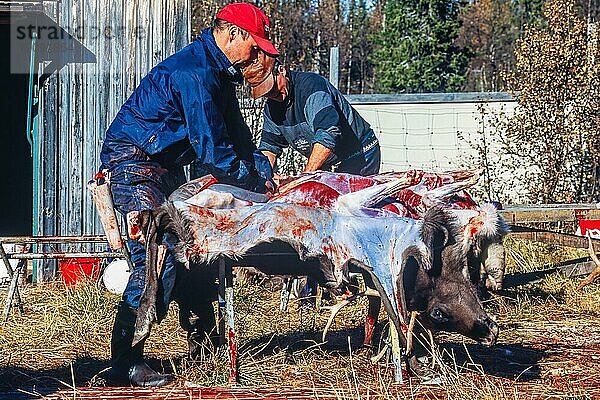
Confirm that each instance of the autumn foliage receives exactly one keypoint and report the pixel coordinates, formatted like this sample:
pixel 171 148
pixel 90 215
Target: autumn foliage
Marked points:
pixel 555 131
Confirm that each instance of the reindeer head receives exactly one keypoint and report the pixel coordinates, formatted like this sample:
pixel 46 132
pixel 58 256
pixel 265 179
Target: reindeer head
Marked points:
pixel 435 284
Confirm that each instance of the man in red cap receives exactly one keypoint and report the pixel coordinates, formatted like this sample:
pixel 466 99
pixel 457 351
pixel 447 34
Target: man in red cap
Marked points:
pixel 184 110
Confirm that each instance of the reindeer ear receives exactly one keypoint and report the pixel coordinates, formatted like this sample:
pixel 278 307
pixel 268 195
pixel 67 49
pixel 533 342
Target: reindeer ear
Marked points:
pixel 434 231
pixel 440 238
pixel 435 235
pixel 410 269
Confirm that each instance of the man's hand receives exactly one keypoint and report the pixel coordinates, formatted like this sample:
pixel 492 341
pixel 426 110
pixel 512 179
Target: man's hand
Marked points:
pixel 137 224
pixel 270 188
pixel 282 179
pixel 266 186
pixel 317 158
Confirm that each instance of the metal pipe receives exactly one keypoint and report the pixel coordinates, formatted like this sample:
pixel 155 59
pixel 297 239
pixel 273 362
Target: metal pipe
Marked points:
pixel 61 256
pixel 53 239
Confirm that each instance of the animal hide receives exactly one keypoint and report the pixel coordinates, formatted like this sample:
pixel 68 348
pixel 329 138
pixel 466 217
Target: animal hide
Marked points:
pixel 375 222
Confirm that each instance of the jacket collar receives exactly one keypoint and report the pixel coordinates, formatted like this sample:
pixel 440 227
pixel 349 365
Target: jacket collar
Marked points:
pixel 223 63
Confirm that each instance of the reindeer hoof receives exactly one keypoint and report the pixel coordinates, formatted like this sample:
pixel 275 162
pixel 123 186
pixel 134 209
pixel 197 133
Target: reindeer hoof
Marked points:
pixel 420 367
pixel 492 284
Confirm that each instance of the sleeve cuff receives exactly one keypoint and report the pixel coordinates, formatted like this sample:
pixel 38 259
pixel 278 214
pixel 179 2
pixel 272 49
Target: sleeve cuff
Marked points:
pixel 323 137
pixel 270 148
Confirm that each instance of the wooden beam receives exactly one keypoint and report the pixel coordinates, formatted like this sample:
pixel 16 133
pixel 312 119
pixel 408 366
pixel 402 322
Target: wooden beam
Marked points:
pixel 560 239
pixel 550 213
pixel 571 269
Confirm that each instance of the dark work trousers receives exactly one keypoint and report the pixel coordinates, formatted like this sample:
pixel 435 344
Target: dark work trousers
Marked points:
pixel 145 185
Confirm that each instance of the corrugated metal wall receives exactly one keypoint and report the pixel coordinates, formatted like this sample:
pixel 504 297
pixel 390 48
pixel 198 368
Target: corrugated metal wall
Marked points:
pixel 128 37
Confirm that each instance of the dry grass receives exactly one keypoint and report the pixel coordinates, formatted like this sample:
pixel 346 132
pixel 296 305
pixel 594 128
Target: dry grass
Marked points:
pixel 549 345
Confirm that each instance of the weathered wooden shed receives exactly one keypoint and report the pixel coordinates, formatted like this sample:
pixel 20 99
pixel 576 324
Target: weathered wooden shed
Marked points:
pixel 104 49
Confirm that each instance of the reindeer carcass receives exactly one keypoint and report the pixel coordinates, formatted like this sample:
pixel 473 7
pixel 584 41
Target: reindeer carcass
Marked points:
pixel 415 253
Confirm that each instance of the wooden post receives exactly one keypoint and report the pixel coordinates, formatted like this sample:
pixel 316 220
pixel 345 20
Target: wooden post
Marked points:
pixel 229 316
pixel 221 301
pixel 396 354
pixel 334 66
pixel 13 290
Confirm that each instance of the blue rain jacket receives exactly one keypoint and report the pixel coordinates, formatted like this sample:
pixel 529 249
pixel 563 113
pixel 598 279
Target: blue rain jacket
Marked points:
pixel 186 109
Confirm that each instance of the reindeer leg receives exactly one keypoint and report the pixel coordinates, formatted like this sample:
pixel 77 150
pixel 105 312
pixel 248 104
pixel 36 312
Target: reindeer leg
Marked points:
pixel 372 311
pixel 371 320
pixel 147 309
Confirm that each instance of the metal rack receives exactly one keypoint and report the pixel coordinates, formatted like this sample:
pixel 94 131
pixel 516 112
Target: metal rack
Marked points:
pixel 13 289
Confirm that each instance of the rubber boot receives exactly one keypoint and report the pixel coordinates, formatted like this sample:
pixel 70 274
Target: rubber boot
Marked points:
pixel 140 373
pixel 128 366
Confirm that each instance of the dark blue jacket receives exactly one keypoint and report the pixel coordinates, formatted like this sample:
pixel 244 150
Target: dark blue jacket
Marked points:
pixel 186 109
pixel 316 112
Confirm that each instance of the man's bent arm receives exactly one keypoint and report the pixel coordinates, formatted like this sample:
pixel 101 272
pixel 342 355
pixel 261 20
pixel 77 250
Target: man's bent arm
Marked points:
pixel 207 133
pixel 317 157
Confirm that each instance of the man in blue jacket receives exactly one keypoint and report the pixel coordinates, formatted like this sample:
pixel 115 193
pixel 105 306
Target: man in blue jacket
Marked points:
pixel 184 110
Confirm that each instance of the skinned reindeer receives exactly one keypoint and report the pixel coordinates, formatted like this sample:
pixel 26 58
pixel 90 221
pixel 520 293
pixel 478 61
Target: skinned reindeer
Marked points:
pixel 336 220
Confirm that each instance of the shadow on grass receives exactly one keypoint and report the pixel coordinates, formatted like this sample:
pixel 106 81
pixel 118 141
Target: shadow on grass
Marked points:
pixel 24 383
pixel 336 341
pixel 512 361
pixel 516 362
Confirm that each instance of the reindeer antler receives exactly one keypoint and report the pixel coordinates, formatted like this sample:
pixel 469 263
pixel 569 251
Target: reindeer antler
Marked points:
pixel 335 309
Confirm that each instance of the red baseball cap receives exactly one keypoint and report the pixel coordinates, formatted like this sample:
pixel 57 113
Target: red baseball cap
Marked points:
pixel 250 18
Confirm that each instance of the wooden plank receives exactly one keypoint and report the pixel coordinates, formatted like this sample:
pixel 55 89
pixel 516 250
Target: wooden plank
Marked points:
pixel 550 213
pixel 64 133
pixel 130 48
pixel 90 127
pixel 75 139
pixel 157 30
pixel 48 129
pixel 559 239
pixel 183 35
pixel 249 393
pixel 48 169
pixel 144 30
pixel 573 269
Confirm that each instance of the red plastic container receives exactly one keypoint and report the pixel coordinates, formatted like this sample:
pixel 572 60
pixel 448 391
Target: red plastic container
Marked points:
pixel 74 270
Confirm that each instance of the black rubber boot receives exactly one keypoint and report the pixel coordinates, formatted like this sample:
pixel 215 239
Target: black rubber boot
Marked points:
pixel 140 373
pixel 128 366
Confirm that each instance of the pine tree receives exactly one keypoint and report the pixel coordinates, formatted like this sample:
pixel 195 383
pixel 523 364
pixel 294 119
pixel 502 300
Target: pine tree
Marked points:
pixel 416 50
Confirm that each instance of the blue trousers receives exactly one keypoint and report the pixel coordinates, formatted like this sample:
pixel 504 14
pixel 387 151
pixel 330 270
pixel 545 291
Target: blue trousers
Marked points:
pixel 141 186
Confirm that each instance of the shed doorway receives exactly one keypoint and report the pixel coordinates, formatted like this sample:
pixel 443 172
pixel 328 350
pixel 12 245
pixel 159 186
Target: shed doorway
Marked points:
pixel 16 163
